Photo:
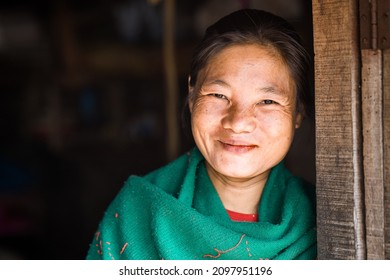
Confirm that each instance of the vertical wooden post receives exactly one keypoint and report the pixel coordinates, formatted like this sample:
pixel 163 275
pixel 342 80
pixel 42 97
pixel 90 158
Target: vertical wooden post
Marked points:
pixel 64 34
pixel 372 115
pixel 386 147
pixel 172 88
pixel 340 199
pixel 375 59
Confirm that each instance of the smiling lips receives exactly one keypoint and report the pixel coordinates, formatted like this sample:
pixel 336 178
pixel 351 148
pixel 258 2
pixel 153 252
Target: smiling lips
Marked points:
pixel 237 147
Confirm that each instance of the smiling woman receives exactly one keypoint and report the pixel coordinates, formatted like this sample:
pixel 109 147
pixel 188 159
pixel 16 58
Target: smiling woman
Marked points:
pixel 247 96
pixel 250 129
pixel 247 127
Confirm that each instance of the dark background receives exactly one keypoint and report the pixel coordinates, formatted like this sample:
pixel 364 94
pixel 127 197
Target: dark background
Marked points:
pixel 82 106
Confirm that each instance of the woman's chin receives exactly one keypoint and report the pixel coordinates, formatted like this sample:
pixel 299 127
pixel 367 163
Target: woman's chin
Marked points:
pixel 238 171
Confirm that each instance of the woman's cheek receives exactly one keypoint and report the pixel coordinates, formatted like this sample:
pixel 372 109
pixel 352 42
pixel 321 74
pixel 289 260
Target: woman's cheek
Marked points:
pixel 207 110
pixel 275 121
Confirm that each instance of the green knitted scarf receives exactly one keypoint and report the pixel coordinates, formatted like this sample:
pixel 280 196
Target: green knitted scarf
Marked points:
pixel 174 213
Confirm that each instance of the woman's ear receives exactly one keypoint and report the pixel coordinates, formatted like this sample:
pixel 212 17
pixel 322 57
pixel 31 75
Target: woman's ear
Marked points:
pixel 298 120
pixel 190 94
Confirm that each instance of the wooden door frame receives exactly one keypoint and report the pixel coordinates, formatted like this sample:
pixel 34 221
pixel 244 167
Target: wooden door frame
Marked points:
pixel 352 132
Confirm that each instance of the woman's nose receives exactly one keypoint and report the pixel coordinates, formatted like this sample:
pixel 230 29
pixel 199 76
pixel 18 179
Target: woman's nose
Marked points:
pixel 239 120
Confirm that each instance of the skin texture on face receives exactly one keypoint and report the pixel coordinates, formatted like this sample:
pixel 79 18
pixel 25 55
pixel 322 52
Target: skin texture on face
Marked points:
pixel 243 117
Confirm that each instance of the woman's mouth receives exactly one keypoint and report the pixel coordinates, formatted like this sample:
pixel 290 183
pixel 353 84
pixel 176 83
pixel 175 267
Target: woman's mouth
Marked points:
pixel 237 147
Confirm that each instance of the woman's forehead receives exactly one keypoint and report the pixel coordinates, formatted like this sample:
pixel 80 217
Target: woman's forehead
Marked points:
pixel 241 58
pixel 267 49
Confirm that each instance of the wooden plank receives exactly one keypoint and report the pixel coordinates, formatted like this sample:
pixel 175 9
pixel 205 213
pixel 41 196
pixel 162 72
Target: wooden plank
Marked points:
pixel 386 147
pixel 338 131
pixel 373 152
pixel 172 84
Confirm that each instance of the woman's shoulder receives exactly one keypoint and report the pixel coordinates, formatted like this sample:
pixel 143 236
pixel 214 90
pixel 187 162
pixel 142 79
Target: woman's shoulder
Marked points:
pixel 295 184
pixel 169 177
pixel 304 190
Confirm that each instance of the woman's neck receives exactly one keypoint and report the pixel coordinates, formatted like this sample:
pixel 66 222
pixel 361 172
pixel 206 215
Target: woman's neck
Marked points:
pixel 238 195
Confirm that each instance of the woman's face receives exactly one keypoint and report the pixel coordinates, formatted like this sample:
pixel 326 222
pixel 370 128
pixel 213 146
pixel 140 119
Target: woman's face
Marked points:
pixel 243 111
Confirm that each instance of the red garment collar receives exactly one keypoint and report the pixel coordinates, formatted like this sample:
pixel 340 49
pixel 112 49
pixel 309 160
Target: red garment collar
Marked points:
pixel 241 217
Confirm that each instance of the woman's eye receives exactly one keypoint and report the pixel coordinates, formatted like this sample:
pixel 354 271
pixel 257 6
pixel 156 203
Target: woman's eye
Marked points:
pixel 267 102
pixel 218 95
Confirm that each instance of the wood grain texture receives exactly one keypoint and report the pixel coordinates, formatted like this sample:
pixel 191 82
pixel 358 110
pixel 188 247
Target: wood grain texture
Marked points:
pixel 386 147
pixel 372 101
pixel 340 198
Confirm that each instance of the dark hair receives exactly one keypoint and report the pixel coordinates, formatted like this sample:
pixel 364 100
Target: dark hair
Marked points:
pixel 250 26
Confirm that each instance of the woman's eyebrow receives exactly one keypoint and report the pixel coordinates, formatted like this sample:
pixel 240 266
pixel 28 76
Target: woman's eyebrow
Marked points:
pixel 267 89
pixel 217 82
pixel 271 89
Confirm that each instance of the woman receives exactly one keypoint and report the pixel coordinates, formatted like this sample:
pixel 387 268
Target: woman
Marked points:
pixel 230 197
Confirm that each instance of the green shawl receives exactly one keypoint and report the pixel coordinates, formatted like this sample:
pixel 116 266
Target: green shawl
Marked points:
pixel 175 213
